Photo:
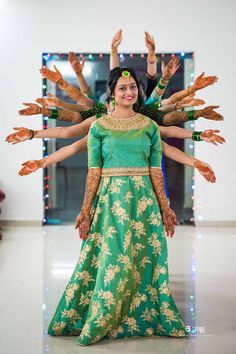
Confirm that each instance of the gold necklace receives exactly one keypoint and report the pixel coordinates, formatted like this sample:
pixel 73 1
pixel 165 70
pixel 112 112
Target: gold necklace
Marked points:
pixel 134 122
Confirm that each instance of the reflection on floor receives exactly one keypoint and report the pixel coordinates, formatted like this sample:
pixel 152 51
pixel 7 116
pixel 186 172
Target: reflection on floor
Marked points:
pixel 36 264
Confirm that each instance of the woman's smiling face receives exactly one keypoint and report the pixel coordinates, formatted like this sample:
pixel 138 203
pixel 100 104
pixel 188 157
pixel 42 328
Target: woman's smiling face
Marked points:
pixel 126 91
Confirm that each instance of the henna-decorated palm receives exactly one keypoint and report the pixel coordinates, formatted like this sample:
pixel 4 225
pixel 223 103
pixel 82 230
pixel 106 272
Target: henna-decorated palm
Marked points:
pixel 50 101
pixel 190 101
pixel 54 76
pixel 22 134
pixel 83 223
pixel 169 221
pixel 77 66
pixel 209 113
pixel 32 108
pixel 210 136
pixel 150 42
pixel 205 170
pixel 30 167
pixel 116 40
pixel 170 69
pixel 201 82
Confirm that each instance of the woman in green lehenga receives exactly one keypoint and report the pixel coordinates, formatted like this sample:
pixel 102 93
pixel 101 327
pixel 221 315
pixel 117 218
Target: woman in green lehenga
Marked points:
pixel 120 285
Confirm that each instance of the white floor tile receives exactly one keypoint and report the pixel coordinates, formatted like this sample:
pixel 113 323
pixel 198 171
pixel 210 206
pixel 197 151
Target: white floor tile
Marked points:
pixel 36 263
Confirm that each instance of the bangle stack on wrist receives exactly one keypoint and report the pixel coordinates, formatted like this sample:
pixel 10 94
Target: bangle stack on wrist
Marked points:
pixel 162 83
pixel 196 136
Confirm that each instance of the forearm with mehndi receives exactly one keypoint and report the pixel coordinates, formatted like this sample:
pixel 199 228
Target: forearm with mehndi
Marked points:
pixel 75 93
pixel 159 188
pixel 176 117
pixel 69 116
pixel 62 114
pixel 178 96
pixel 92 183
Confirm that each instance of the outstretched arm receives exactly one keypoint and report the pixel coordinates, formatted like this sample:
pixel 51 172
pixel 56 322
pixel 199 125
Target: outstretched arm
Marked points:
pixel 189 101
pixel 77 66
pixel 73 92
pixel 53 101
pixel 58 156
pixel 179 156
pixel 151 59
pixel 173 118
pixel 175 132
pixel 23 134
pixel 116 41
pixel 199 83
pixel 209 136
pixel 62 114
pixel 167 72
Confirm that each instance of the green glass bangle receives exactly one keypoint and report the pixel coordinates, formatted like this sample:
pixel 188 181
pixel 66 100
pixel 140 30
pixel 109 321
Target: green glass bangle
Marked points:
pixel 54 113
pixel 191 115
pixel 161 87
pixel 196 136
pixel 155 105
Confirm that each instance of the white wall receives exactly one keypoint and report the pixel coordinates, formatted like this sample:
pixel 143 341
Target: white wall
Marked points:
pixel 27 28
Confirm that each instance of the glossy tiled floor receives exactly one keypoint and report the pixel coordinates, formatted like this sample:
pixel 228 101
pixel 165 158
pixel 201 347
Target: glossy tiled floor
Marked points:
pixel 36 263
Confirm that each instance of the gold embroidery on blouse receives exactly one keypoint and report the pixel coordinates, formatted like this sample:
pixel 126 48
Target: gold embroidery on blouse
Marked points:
pixel 125 171
pixel 135 122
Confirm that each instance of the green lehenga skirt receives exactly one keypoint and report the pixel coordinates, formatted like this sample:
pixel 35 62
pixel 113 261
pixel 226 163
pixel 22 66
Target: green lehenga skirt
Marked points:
pixel 120 285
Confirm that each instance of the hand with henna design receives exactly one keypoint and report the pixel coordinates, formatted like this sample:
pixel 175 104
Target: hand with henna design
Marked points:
pixel 54 76
pixel 50 101
pixel 32 108
pixel 201 82
pixel 209 113
pixel 210 136
pixel 169 221
pixel 116 40
pixel 189 101
pixel 21 134
pixel 31 166
pixel 170 69
pixel 77 66
pixel 150 42
pixel 83 224
pixel 205 170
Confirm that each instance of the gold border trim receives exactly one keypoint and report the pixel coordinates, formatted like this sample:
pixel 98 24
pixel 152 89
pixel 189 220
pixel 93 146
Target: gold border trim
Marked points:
pixel 125 171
